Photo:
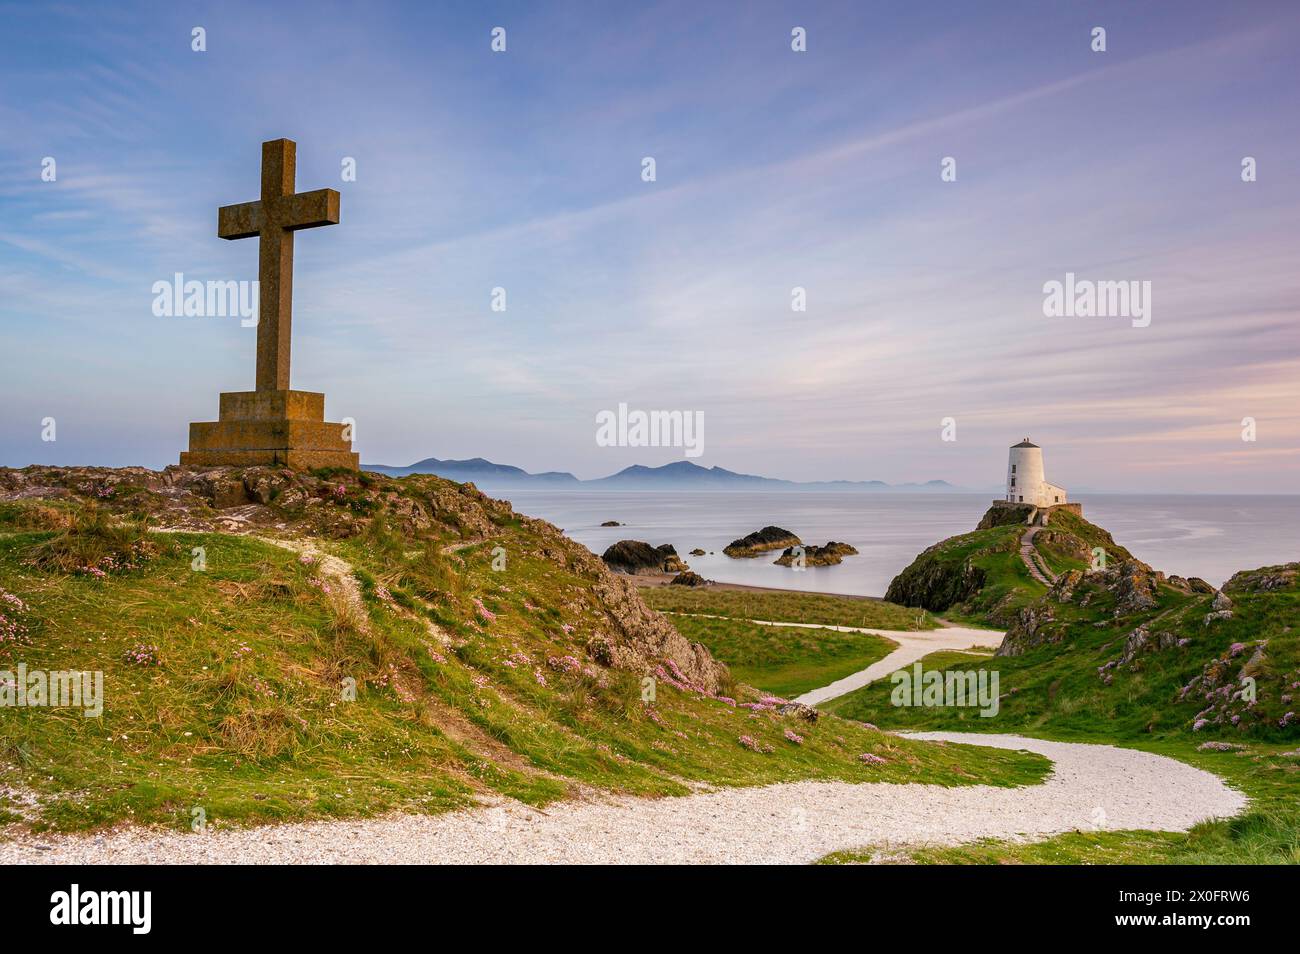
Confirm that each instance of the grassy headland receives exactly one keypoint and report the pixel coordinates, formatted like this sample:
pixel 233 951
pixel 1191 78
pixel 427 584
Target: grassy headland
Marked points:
pixel 1123 655
pixel 346 645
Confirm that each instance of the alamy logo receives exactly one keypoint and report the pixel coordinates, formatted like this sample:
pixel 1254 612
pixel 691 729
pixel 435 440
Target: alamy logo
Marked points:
pixel 103 907
pixel 951 688
pixel 194 299
pixel 626 428
pixel 1084 298
pixel 72 689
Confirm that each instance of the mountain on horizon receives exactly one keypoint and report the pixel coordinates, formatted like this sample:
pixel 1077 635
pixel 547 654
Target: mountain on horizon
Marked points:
pixel 679 475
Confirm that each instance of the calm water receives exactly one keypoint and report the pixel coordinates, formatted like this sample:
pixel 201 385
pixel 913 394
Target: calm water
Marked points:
pixel 1206 536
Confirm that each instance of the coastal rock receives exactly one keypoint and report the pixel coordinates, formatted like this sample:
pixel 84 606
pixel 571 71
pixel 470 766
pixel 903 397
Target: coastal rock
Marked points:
pixel 672 563
pixel 689 578
pixel 934 583
pixel 760 541
pixel 633 556
pixel 829 555
pixel 697 552
pixel 611 523
pixel 1221 602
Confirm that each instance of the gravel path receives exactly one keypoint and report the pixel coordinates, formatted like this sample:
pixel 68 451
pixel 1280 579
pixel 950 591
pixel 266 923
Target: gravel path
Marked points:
pixel 911 647
pixel 1093 786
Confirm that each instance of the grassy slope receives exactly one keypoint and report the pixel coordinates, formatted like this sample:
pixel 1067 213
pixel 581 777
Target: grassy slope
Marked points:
pixel 788 607
pixel 1058 691
pixel 244 716
pixel 1058 688
pixel 785 660
pixel 994 556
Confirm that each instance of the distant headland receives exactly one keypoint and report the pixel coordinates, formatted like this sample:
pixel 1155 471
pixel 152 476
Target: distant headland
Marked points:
pixel 679 475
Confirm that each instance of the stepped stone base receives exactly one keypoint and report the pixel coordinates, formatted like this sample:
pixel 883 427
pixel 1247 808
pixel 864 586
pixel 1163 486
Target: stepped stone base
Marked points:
pixel 272 428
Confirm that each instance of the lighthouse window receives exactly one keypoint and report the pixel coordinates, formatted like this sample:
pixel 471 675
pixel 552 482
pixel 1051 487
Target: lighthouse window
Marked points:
pixel 1013 468
pixel 1013 481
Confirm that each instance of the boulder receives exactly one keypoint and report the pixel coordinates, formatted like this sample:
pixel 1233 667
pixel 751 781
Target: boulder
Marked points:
pixel 799 710
pixel 689 578
pixel 633 556
pixel 829 555
pixel 1134 585
pixel 761 541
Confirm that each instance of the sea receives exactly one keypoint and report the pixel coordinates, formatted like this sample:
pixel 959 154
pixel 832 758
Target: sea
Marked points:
pixel 1210 536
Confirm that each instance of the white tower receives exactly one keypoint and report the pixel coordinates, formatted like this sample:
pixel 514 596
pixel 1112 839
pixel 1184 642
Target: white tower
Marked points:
pixel 1025 480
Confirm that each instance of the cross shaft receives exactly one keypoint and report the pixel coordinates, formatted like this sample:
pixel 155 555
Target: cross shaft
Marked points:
pixel 273 219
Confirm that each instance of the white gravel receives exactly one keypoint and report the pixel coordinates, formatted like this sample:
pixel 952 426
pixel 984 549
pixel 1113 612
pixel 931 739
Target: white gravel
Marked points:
pixel 911 647
pixel 1093 786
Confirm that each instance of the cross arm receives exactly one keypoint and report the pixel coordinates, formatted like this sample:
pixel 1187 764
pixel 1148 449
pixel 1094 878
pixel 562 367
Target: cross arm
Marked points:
pixel 240 221
pixel 309 210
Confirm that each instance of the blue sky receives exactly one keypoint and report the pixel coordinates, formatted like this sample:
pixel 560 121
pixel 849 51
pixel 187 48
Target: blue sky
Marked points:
pixel 775 169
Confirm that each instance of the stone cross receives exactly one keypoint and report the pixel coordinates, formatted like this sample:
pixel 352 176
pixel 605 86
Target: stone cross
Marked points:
pixel 273 219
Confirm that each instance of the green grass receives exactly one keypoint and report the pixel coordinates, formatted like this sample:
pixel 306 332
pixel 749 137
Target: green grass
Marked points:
pixel 1058 687
pixel 245 715
pixel 975 578
pixel 1070 687
pixel 785 660
pixel 788 607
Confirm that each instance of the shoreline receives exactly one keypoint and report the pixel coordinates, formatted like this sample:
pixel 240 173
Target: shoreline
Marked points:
pixel 651 581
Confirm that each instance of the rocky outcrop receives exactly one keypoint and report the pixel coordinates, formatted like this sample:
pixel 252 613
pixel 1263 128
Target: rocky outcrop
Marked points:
pixel 1191 584
pixel 1265 579
pixel 1032 628
pixel 611 523
pixel 633 556
pixel 761 541
pixel 829 555
pixel 1134 585
pixel 689 578
pixel 935 583
pixel 1231 700
pixel 697 552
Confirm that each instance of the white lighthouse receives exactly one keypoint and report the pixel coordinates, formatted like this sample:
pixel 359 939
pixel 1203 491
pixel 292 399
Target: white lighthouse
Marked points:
pixel 1025 481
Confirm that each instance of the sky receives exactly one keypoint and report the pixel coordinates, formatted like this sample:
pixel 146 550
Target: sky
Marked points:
pixel 774 170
